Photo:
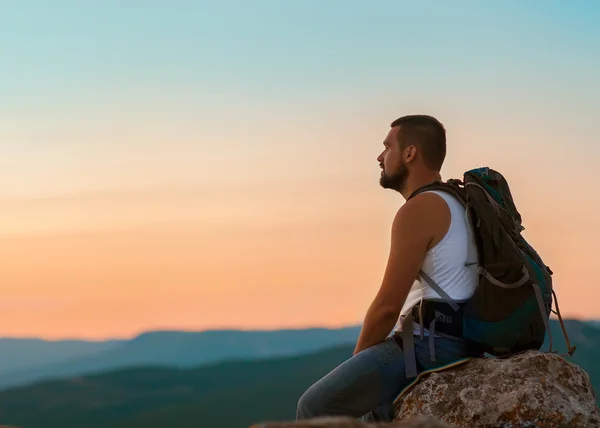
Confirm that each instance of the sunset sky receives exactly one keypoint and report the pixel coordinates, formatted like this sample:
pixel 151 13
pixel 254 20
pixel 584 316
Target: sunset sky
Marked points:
pixel 194 164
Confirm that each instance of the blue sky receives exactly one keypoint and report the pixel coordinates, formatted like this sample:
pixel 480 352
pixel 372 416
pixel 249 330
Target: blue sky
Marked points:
pixel 56 53
pixel 113 94
pixel 235 122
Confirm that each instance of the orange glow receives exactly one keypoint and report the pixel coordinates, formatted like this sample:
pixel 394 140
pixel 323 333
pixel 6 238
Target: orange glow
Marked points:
pixel 274 240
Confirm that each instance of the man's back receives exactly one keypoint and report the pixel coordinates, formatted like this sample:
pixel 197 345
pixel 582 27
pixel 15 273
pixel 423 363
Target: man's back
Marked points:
pixel 451 262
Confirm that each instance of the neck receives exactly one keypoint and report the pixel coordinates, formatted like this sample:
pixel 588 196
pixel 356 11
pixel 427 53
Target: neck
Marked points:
pixel 418 180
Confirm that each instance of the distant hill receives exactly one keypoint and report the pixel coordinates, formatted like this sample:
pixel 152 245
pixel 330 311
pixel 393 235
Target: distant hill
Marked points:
pixel 21 354
pixel 224 395
pixel 184 349
pixel 586 337
pixel 228 395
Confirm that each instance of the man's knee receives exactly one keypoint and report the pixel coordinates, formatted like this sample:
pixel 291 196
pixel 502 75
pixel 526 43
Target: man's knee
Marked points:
pixel 310 405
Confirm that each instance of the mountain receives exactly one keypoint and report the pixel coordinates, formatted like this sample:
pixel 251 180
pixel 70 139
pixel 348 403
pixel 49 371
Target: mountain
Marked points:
pixel 187 349
pixel 586 337
pixel 21 354
pixel 232 394
pixel 222 395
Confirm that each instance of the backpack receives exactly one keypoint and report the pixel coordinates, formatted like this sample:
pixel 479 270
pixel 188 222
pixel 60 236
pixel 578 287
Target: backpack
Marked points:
pixel 511 306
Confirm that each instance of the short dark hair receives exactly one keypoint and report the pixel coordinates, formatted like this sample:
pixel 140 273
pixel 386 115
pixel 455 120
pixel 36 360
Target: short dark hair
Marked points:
pixel 425 132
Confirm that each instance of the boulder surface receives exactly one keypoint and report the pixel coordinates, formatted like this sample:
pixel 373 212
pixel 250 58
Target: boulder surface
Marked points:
pixel 533 389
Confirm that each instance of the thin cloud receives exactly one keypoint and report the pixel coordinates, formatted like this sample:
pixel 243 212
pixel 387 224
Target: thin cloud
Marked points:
pixel 30 304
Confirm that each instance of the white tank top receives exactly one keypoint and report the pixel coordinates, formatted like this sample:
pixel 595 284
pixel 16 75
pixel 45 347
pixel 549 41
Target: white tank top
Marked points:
pixel 452 263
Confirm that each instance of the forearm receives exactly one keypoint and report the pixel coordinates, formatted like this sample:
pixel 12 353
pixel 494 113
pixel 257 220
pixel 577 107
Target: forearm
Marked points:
pixel 377 325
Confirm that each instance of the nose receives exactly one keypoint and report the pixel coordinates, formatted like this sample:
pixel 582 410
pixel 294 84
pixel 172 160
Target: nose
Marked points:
pixel 380 158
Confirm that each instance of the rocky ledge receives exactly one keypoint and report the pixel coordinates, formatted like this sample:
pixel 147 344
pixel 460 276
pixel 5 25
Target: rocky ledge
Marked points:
pixel 534 389
pixel 345 422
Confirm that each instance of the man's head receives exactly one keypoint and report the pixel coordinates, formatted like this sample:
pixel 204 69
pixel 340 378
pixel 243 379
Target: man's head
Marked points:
pixel 415 147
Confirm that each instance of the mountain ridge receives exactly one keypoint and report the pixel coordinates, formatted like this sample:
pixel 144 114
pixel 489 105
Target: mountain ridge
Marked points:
pixel 22 353
pixel 221 394
pixel 186 349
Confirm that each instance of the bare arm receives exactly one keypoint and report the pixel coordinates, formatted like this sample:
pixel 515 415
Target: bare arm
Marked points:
pixel 413 229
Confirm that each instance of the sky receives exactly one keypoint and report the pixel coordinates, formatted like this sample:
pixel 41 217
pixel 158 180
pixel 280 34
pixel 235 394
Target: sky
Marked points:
pixel 195 165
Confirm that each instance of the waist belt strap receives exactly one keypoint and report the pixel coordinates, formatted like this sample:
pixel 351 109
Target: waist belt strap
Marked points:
pixel 408 347
pixel 431 340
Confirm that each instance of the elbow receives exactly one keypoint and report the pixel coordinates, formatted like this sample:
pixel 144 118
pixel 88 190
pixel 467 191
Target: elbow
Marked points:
pixel 386 312
pixel 391 314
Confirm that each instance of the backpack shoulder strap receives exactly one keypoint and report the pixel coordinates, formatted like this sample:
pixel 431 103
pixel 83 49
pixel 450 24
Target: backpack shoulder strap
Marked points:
pixel 453 186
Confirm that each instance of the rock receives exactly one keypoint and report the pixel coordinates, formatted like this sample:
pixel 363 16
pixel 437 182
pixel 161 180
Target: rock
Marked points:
pixel 534 389
pixel 346 422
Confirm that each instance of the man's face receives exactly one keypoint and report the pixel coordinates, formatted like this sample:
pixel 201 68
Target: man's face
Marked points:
pixel 394 171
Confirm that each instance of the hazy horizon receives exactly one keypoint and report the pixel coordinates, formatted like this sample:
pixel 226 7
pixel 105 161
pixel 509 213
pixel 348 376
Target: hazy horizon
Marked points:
pixel 198 164
pixel 127 337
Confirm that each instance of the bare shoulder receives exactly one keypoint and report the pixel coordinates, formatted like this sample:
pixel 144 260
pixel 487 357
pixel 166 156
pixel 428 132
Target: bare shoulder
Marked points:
pixel 423 207
pixel 427 215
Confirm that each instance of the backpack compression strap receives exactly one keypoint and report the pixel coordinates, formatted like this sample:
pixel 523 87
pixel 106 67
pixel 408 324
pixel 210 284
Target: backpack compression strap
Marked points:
pixel 408 345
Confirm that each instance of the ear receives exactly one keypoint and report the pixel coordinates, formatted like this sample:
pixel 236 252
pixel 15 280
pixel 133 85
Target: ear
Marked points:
pixel 410 153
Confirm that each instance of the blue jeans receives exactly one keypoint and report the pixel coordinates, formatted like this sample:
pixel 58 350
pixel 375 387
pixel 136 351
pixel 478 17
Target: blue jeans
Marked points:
pixel 366 385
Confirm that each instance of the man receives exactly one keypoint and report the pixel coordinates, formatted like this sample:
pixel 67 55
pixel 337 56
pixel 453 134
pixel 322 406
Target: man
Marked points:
pixel 430 233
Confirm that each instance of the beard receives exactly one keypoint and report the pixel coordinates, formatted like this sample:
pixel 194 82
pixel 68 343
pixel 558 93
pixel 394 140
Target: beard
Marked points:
pixel 395 181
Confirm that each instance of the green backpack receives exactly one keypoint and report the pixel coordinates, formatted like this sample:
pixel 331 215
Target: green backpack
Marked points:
pixel 512 303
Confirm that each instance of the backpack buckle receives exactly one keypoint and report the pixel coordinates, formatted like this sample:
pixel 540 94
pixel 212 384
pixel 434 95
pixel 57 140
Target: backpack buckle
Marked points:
pixel 440 317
